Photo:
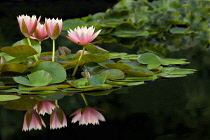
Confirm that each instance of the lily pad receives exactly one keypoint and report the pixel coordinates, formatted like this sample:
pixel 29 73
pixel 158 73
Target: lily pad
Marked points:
pixel 94 58
pixel 152 60
pixel 19 51
pixel 139 72
pixel 114 74
pixel 96 50
pixel 38 78
pixel 56 70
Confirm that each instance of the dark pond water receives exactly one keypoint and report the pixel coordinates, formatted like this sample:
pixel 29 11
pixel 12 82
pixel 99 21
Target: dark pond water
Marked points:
pixel 166 109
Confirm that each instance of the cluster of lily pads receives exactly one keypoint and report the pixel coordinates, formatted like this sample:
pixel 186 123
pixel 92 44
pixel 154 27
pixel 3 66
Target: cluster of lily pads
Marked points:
pixel 99 69
pixel 163 19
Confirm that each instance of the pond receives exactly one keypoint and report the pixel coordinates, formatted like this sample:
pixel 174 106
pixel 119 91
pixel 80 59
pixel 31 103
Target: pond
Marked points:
pixel 175 108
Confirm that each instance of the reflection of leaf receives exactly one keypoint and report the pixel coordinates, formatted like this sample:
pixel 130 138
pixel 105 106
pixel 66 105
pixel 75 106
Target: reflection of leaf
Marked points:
pixel 8 97
pixel 24 103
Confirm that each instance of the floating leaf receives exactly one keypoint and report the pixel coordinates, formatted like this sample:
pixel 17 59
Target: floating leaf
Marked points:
pixel 169 61
pixel 19 51
pixel 56 70
pixel 119 66
pixel 94 58
pixel 114 74
pixel 139 72
pixel 122 83
pixel 152 60
pixel 35 44
pixel 127 29
pixel 8 97
pixel 98 79
pixel 96 50
pixel 13 67
pixel 38 78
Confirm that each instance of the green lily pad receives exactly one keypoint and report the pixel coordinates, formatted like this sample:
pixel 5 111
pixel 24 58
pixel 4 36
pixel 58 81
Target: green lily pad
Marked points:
pixel 152 60
pixel 169 61
pixel 123 83
pixel 127 29
pixel 13 67
pixel 114 74
pixel 38 78
pixel 139 72
pixel 19 51
pixel 119 66
pixel 98 79
pixel 72 24
pixel 8 97
pixel 96 50
pixel 35 44
pixel 94 58
pixel 56 70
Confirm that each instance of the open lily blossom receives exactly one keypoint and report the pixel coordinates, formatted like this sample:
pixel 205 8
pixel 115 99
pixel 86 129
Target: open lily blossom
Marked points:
pixel 83 35
pixel 40 33
pixel 87 116
pixel 57 119
pixel 32 120
pixel 53 27
pixel 45 107
pixel 27 24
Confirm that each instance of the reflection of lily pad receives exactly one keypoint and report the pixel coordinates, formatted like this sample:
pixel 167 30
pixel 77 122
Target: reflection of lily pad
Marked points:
pixel 8 97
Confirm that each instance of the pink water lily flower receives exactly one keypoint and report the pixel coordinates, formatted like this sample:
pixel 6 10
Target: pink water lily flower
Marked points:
pixel 53 27
pixel 27 24
pixel 58 119
pixel 40 33
pixel 83 35
pixel 87 116
pixel 45 107
pixel 32 120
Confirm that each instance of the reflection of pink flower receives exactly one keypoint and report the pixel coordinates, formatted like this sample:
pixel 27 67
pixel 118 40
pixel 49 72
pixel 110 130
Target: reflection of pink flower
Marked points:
pixel 53 27
pixel 32 120
pixel 57 119
pixel 83 35
pixel 44 107
pixel 40 33
pixel 87 116
pixel 27 24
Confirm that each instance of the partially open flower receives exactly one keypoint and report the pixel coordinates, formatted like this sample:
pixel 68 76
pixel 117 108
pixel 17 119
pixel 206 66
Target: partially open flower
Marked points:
pixel 32 120
pixel 45 107
pixel 87 116
pixel 53 27
pixel 83 35
pixel 40 33
pixel 57 119
pixel 27 24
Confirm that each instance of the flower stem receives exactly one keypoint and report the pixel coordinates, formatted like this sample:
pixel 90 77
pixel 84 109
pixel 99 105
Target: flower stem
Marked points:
pixel 84 98
pixel 53 51
pixel 80 57
pixel 56 103
pixel 29 43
